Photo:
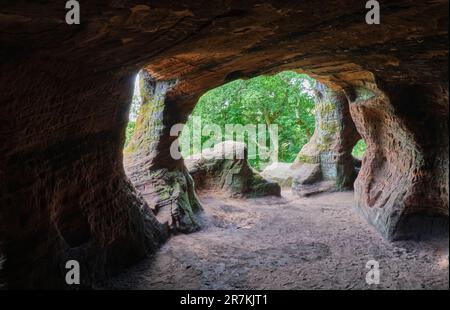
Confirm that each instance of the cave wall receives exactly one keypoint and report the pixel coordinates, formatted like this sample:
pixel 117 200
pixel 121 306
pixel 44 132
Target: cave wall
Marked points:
pixel 402 188
pixel 65 92
pixel 64 194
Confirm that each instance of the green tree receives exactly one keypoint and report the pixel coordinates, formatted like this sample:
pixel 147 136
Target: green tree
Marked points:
pixel 134 111
pixel 359 149
pixel 285 99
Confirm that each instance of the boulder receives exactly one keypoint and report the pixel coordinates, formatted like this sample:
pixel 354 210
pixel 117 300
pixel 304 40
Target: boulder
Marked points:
pixel 225 167
pixel 308 174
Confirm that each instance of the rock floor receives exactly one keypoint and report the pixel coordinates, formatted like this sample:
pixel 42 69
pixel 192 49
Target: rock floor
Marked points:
pixel 287 243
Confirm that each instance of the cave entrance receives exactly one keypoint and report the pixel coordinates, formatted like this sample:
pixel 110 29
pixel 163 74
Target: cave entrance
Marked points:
pixel 285 101
pixel 317 139
pixel 306 143
pixel 272 115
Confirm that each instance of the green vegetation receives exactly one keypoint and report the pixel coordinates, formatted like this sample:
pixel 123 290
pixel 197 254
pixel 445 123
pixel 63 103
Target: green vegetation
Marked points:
pixel 285 99
pixel 131 127
pixel 359 149
pixel 134 111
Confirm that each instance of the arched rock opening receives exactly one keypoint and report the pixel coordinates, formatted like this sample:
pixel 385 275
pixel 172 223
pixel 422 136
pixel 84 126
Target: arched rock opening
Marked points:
pixel 66 89
pixel 326 162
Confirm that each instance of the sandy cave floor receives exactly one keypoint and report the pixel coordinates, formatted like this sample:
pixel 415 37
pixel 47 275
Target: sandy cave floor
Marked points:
pixel 287 243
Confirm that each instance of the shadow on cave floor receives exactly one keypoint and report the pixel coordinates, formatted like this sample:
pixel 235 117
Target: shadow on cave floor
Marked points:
pixel 286 243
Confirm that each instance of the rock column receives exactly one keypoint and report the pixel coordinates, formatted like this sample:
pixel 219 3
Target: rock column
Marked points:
pixel 325 163
pixel 402 188
pixel 162 179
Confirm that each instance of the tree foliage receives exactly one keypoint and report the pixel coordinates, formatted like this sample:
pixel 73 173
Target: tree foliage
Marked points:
pixel 134 111
pixel 359 149
pixel 285 99
pixel 131 127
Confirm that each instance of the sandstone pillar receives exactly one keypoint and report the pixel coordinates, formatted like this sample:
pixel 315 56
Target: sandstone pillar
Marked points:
pixel 402 188
pixel 163 180
pixel 325 163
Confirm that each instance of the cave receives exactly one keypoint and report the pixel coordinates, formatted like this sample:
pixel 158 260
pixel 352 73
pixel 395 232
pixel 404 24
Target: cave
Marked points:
pixel 66 91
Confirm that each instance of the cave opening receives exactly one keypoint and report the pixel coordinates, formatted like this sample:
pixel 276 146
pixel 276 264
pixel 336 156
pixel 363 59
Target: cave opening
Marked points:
pixel 228 201
pixel 69 191
pixel 203 189
pixel 359 149
pixel 248 138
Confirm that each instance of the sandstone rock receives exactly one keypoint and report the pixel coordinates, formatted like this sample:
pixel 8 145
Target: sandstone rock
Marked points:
pixel 327 156
pixel 400 188
pixel 308 181
pixel 166 185
pixel 310 152
pixel 308 174
pixel 172 198
pixel 66 89
pixel 225 167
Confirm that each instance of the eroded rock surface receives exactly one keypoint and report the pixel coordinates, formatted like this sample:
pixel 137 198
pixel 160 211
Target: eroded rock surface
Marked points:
pixel 282 173
pixel 225 168
pixel 65 94
pixel 403 185
pixel 162 179
pixel 326 163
